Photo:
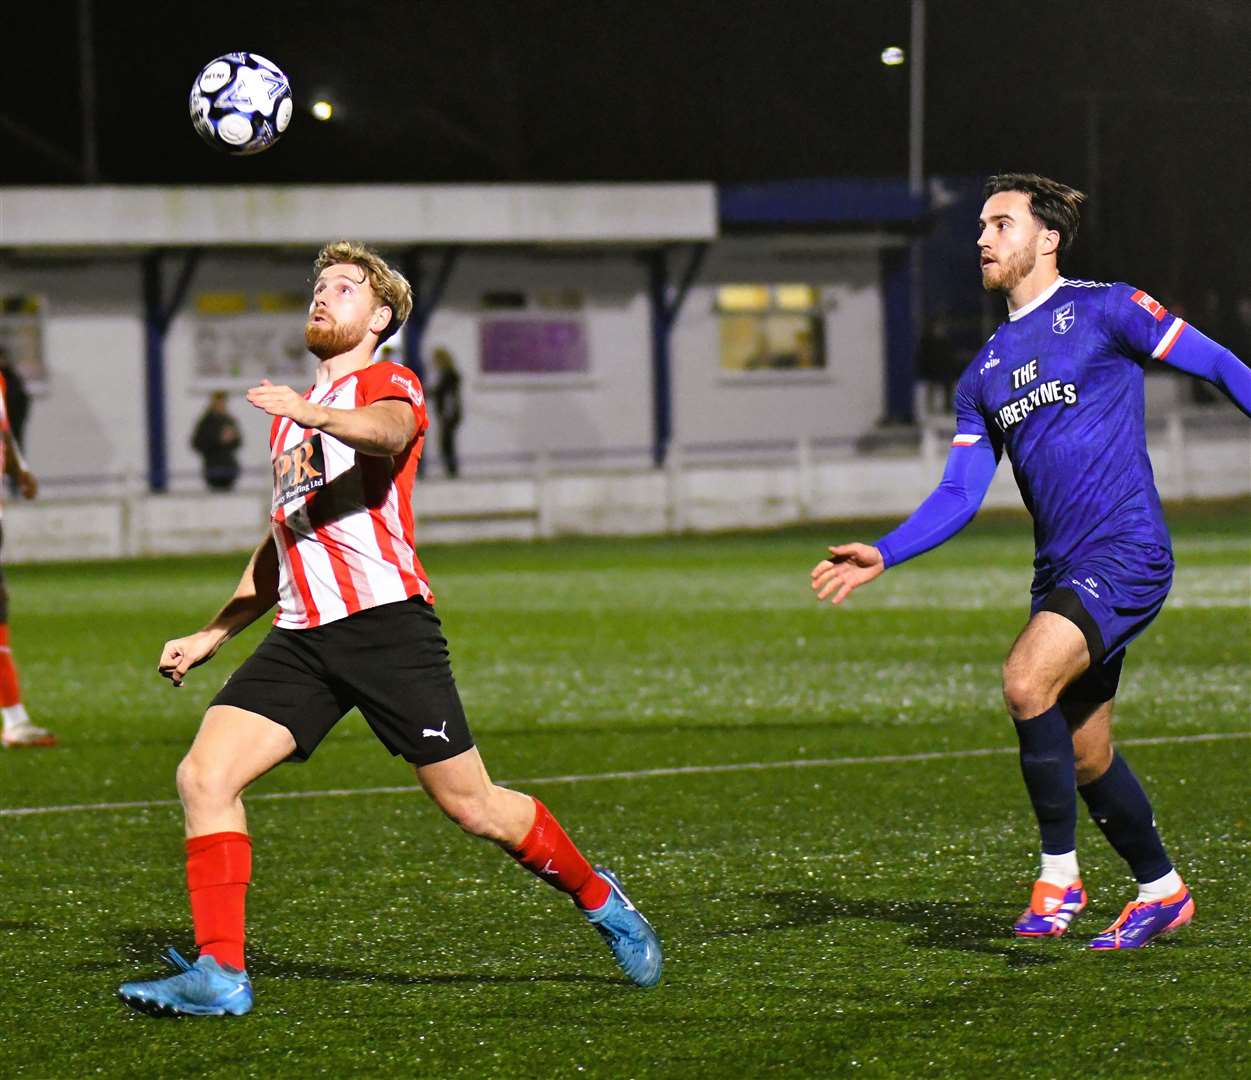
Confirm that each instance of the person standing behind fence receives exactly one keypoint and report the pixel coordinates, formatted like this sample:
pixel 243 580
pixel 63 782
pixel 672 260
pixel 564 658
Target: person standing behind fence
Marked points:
pixel 17 404
pixel 18 730
pixel 217 440
pixel 447 407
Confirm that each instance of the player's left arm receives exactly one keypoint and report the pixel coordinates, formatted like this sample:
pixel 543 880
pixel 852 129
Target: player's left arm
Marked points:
pixel 380 429
pixel 15 466
pixel 1197 354
pixel 1147 329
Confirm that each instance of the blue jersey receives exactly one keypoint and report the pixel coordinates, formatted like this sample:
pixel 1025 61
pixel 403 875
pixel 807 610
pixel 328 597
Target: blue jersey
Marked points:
pixel 1059 388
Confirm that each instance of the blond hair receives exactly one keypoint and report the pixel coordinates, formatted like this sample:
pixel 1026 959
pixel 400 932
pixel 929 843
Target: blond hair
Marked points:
pixel 389 286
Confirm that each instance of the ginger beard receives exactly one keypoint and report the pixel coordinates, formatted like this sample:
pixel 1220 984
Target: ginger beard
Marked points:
pixel 1005 276
pixel 329 338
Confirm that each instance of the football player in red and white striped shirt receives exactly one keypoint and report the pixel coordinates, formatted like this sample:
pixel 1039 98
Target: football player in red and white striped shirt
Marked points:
pixel 18 730
pixel 355 627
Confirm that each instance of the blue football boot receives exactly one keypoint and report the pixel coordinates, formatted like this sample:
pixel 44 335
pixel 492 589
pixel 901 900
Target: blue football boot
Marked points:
pixel 629 935
pixel 1051 909
pixel 1143 921
pixel 204 988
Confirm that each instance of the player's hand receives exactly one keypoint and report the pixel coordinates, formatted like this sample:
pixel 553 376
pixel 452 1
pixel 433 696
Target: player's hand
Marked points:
pixel 848 567
pixel 27 484
pixel 182 654
pixel 283 401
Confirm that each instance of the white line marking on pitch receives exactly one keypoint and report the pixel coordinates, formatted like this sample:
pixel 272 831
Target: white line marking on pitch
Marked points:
pixel 635 774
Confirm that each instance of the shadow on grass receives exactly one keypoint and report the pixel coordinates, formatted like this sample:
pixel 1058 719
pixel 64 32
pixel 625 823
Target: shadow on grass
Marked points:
pixel 953 924
pixel 144 946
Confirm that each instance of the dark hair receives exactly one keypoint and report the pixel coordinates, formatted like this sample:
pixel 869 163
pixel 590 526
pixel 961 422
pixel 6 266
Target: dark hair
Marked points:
pixel 1052 203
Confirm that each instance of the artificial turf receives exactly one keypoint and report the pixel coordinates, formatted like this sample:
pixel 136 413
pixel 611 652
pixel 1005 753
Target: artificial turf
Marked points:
pixel 823 912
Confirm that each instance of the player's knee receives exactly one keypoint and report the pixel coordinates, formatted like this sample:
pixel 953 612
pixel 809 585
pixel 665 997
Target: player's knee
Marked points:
pixel 1023 694
pixel 471 813
pixel 1092 762
pixel 200 784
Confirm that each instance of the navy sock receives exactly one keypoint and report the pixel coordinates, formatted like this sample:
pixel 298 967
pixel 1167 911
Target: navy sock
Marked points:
pixel 1050 777
pixel 1122 811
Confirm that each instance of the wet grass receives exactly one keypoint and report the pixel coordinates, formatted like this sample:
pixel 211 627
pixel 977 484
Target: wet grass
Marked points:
pixel 835 919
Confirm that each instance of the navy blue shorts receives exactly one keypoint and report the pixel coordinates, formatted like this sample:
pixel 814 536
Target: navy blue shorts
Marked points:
pixel 1111 596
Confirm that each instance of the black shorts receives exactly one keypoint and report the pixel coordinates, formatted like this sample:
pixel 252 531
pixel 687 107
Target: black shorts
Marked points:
pixel 390 662
pixel 1100 681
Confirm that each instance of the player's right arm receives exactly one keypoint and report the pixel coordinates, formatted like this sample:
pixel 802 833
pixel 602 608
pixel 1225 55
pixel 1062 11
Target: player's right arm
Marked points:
pixel 971 464
pixel 255 594
pixel 15 466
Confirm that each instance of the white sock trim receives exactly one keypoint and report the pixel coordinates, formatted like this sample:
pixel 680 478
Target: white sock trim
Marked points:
pixel 14 716
pixel 1059 869
pixel 1160 889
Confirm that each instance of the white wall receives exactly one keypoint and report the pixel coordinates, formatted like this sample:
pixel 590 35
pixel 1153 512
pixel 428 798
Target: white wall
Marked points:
pixel 712 406
pixel 1193 458
pixel 59 218
pixel 608 409
pixel 91 421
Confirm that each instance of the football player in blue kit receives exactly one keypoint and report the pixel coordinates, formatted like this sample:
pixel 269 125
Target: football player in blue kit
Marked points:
pixel 1059 388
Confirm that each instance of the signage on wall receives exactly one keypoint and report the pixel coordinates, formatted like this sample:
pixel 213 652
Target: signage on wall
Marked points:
pixel 240 338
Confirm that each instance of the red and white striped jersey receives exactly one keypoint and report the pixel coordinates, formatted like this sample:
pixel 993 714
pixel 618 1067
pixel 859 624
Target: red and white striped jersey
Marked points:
pixel 343 521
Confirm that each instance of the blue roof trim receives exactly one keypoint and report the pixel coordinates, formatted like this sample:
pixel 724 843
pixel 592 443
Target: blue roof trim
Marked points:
pixel 811 202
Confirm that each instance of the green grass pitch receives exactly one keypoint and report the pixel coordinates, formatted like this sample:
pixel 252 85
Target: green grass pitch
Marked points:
pixel 847 917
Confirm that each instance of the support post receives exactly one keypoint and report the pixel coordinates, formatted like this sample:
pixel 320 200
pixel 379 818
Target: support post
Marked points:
pixel 897 295
pixel 666 303
pixel 803 478
pixel 157 319
pixel 425 302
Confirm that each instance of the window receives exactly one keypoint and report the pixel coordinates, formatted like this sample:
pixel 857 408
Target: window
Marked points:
pixel 538 333
pixel 771 328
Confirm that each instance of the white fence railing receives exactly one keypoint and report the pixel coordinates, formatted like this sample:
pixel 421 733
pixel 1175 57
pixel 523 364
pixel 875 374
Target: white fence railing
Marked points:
pixel 700 489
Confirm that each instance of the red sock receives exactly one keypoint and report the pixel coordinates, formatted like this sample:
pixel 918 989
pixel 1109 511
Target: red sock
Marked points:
pixel 548 853
pixel 219 867
pixel 10 693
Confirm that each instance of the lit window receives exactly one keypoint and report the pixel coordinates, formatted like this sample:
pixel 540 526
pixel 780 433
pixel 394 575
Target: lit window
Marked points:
pixel 771 328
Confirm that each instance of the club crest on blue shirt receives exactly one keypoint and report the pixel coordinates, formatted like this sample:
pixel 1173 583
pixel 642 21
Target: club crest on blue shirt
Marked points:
pixel 1063 318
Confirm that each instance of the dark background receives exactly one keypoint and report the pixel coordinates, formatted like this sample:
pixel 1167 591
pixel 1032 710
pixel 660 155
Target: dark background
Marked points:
pixel 1146 104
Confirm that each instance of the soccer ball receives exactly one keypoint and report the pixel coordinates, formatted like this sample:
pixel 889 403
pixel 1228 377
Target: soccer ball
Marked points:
pixel 241 103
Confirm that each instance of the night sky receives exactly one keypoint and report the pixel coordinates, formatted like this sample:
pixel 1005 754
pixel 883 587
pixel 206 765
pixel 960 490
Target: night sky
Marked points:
pixel 1148 103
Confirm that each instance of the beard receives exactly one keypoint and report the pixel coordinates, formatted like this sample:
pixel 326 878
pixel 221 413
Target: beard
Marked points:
pixel 1003 277
pixel 325 340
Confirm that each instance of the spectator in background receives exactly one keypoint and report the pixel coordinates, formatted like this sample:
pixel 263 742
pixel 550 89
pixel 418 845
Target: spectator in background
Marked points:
pixel 447 407
pixel 939 365
pixel 17 397
pixel 18 731
pixel 217 441
pixel 17 401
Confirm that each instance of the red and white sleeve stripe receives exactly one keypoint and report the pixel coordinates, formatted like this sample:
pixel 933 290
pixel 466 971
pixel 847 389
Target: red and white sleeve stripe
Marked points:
pixel 1169 339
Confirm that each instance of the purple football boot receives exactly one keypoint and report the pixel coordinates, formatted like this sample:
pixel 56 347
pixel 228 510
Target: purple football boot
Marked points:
pixel 1143 921
pixel 1051 909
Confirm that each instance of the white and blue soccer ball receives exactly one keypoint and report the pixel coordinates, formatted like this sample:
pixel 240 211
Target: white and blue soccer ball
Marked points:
pixel 241 103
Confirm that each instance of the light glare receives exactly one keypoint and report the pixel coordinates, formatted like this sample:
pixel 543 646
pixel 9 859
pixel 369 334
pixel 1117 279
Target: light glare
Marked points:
pixel 892 56
pixel 323 110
